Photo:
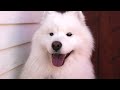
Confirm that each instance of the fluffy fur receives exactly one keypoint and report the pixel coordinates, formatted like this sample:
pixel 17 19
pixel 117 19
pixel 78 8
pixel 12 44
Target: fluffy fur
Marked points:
pixel 78 65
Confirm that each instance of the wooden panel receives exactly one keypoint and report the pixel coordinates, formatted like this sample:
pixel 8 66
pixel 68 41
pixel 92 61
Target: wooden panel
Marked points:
pixel 105 26
pixel 115 18
pixel 116 44
pixel 105 52
pixel 92 19
pixel 115 26
pixel 116 69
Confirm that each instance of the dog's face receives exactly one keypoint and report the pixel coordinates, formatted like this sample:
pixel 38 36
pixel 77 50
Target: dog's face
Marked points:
pixel 61 35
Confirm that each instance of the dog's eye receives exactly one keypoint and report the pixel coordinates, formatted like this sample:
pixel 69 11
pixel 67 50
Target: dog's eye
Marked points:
pixel 69 34
pixel 51 34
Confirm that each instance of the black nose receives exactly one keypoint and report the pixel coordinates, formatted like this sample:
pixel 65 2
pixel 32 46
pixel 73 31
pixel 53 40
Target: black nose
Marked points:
pixel 56 45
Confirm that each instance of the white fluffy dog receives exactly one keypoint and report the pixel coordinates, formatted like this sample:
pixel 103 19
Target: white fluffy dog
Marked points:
pixel 61 48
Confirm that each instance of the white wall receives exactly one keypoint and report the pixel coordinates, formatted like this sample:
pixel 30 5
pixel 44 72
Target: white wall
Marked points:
pixel 12 17
pixel 16 31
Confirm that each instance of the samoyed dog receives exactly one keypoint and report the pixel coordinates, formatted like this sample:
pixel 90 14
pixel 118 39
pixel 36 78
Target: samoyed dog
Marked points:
pixel 61 48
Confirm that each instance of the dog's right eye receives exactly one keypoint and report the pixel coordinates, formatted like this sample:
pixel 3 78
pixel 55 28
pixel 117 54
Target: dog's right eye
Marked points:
pixel 51 34
pixel 69 34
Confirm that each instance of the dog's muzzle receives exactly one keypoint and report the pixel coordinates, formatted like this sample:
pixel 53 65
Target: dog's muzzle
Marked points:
pixel 58 59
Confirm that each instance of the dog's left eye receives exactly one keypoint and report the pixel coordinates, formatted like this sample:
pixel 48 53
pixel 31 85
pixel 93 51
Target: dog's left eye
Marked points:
pixel 69 34
pixel 51 34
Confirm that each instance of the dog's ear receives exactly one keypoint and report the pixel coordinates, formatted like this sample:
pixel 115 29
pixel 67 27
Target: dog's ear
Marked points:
pixel 79 15
pixel 44 15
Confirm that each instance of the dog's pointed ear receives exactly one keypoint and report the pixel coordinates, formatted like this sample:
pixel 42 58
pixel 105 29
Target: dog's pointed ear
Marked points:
pixel 44 15
pixel 79 15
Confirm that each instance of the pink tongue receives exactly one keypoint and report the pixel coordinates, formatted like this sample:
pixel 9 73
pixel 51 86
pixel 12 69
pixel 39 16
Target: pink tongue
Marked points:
pixel 58 59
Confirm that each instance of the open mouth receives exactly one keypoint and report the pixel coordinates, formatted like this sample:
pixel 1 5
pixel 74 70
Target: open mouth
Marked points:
pixel 59 59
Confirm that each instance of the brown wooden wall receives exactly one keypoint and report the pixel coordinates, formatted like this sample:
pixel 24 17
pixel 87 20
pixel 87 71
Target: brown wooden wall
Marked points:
pixel 105 26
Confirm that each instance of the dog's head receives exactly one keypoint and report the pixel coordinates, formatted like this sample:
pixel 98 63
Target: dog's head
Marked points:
pixel 63 34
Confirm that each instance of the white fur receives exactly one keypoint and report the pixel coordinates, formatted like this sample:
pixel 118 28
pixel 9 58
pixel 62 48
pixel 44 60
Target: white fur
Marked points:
pixel 78 65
